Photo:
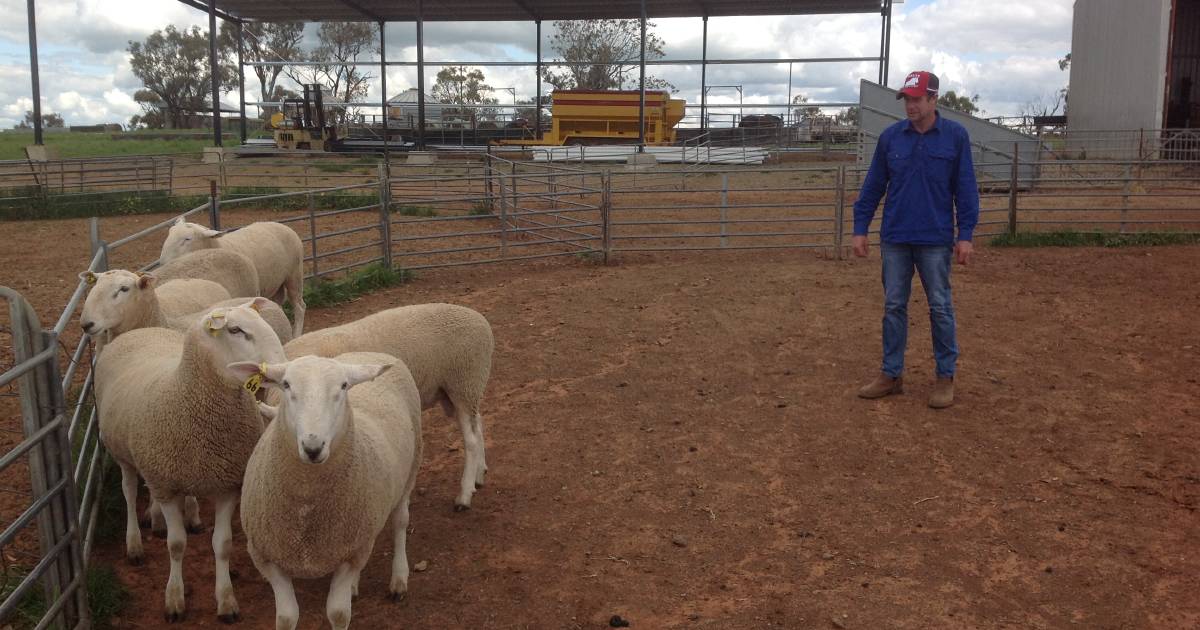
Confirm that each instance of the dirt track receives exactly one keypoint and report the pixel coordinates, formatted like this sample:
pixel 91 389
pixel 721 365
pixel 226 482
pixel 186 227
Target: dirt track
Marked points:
pixel 675 439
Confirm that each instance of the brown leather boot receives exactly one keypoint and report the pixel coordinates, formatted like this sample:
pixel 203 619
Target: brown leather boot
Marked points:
pixel 883 385
pixel 943 393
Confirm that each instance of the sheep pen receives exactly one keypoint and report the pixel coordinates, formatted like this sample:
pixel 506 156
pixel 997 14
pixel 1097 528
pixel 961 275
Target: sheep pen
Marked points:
pixel 675 439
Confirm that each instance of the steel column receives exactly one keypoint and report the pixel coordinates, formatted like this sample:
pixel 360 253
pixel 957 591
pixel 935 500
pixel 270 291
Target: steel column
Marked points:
pixel 642 84
pixel 420 74
pixel 214 70
pixel 703 75
pixel 33 72
pixel 241 84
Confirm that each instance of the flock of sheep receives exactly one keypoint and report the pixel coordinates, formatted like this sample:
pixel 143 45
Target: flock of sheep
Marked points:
pixel 205 390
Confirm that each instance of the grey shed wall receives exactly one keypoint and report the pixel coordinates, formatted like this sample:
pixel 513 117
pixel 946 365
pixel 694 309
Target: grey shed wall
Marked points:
pixel 992 144
pixel 1118 64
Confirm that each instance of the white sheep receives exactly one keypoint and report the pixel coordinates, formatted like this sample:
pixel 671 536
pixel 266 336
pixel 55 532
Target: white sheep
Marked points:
pixel 114 293
pixel 226 267
pixel 121 300
pixel 274 248
pixel 338 462
pixel 170 412
pixel 447 348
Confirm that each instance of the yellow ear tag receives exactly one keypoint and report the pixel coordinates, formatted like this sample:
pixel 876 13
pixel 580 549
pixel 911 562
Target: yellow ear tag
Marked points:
pixel 213 328
pixel 254 305
pixel 90 278
pixel 254 383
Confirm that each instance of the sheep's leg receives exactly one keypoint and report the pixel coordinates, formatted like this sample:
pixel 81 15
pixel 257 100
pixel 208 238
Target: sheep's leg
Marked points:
pixel 337 604
pixel 191 514
pixel 133 535
pixel 295 294
pixel 287 611
pixel 222 542
pixel 176 544
pixel 481 460
pixel 399 586
pixel 153 519
pixel 472 448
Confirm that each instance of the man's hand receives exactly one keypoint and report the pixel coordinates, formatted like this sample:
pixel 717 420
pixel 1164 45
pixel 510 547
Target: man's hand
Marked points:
pixel 859 243
pixel 963 251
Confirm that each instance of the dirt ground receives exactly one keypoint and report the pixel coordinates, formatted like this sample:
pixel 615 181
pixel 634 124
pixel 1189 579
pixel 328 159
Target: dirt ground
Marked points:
pixel 675 439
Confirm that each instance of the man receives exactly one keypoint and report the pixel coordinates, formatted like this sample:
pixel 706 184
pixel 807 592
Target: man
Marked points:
pixel 924 164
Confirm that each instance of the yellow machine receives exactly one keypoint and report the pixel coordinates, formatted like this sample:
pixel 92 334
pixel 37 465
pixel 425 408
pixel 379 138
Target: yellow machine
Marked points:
pixel 609 117
pixel 301 124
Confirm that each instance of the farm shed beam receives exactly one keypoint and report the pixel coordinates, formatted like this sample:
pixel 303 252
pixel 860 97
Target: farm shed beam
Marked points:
pixel 704 75
pixel 212 69
pixel 224 15
pixel 33 73
pixel 358 7
pixel 525 7
pixel 642 85
pixel 383 87
pixel 887 48
pixel 420 74
pixel 537 96
pixel 241 83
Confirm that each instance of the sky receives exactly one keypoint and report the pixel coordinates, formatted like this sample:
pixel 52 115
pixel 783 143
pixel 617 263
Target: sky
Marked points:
pixel 1005 52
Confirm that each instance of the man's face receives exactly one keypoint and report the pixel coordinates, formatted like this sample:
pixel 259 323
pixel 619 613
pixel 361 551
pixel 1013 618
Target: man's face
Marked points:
pixel 919 108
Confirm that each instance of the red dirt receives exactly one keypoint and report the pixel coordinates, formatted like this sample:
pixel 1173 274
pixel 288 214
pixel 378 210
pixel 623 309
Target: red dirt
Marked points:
pixel 708 400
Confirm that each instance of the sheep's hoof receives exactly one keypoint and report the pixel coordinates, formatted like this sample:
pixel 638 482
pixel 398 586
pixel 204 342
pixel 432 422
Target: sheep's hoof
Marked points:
pixel 144 522
pixel 136 560
pixel 195 529
pixel 234 574
pixel 398 597
pixel 478 485
pixel 458 507
pixel 174 617
pixel 159 533
pixel 232 617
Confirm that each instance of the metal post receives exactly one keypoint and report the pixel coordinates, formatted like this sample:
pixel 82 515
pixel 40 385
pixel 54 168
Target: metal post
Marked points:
pixel 385 215
pixel 242 86
pixel 606 214
pixel 384 91
pixel 724 209
pixel 421 74
pixel 488 181
pixel 887 46
pixel 214 205
pixel 703 75
pixel 33 72
pixel 537 117
pixel 504 219
pixel 642 84
pixel 839 216
pixel 1012 193
pixel 312 233
pixel 212 69
pixel 94 235
pixel 787 115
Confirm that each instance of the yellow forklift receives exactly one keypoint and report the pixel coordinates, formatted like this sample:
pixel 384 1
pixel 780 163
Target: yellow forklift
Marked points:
pixel 301 123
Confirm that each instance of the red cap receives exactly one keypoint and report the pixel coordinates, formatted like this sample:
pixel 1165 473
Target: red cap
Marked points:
pixel 919 83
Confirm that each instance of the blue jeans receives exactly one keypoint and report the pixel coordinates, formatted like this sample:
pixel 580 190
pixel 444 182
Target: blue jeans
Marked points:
pixel 933 263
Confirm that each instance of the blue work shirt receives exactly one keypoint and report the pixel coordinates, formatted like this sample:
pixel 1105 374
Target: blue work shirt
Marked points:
pixel 926 175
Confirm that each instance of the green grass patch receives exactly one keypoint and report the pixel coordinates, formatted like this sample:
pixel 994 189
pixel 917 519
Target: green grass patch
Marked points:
pixel 1095 239
pixel 361 281
pixel 416 211
pixel 27 203
pixel 480 208
pixel 107 598
pixel 79 145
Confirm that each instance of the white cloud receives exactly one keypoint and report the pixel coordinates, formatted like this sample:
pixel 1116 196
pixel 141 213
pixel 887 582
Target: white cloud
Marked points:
pixel 1006 53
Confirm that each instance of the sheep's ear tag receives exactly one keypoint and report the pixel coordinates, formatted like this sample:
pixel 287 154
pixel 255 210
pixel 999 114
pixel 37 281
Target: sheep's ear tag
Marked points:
pixel 254 383
pixel 216 321
pixel 254 305
pixel 90 278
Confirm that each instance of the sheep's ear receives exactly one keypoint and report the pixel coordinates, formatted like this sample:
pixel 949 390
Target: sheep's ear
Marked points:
pixel 267 411
pixel 180 221
pixel 214 322
pixel 255 376
pixel 258 304
pixel 209 232
pixel 359 373
pixel 88 277
pixel 146 280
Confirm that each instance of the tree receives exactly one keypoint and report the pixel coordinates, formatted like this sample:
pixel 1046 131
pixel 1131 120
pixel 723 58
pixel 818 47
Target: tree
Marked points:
pixel 587 47
pixel 341 45
pixel 848 117
pixel 266 41
pixel 805 113
pixel 174 66
pixel 1045 105
pixel 1065 62
pixel 462 86
pixel 49 121
pixel 965 104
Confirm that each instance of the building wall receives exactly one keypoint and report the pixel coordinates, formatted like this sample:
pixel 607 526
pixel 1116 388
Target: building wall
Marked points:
pixel 1118 64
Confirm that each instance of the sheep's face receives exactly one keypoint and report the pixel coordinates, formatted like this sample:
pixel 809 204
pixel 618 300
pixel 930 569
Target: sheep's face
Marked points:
pixel 313 406
pixel 185 238
pixel 237 334
pixel 114 298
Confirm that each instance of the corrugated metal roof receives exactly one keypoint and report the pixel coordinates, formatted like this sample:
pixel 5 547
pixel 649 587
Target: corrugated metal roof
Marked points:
pixel 516 10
